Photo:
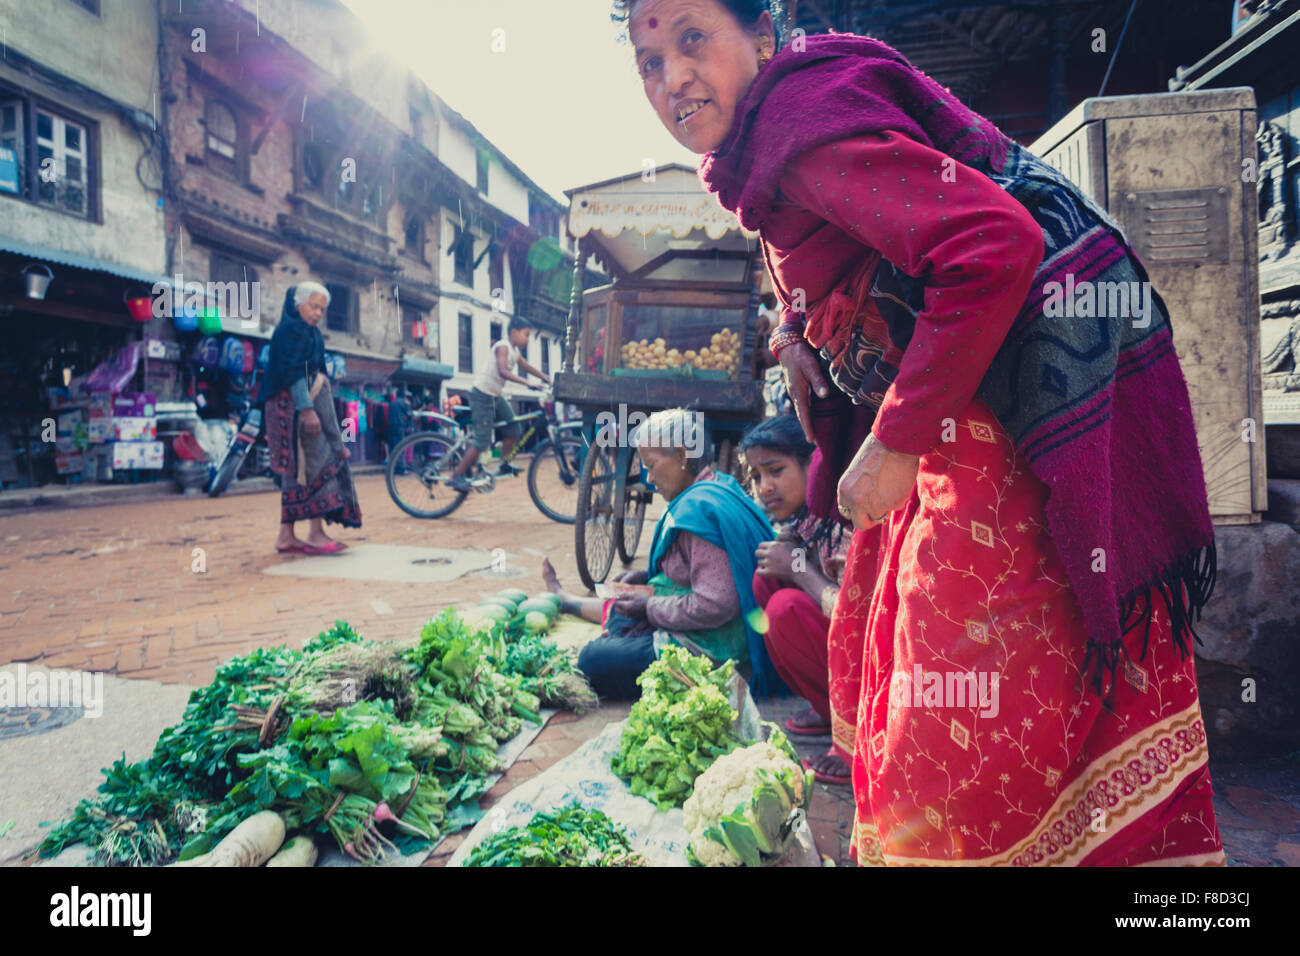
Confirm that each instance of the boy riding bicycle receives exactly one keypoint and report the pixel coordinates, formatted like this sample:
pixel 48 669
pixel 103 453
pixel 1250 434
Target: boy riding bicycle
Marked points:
pixel 487 404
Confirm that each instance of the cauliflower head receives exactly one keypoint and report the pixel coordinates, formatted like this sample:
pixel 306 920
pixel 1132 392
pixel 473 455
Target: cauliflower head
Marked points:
pixel 739 804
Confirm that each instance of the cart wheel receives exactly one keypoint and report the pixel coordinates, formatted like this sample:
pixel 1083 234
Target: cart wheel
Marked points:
pixel 594 528
pixel 632 519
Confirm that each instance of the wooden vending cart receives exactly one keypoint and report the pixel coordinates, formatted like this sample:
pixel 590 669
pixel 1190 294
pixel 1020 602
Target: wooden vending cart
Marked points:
pixel 675 327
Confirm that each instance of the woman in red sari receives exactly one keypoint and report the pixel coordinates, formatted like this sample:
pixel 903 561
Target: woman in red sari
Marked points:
pixel 1028 694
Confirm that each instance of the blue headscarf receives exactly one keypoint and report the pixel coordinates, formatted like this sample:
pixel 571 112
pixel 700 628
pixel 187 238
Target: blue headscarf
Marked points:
pixel 720 512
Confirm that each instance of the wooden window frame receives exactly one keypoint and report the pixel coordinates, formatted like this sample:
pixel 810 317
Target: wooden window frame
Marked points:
pixel 411 315
pixel 30 164
pixel 232 167
pixel 464 342
pixel 461 260
pixel 352 299
pixel 422 239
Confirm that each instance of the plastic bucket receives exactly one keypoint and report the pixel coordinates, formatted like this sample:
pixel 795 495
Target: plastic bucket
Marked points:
pixel 209 321
pixel 140 307
pixel 186 320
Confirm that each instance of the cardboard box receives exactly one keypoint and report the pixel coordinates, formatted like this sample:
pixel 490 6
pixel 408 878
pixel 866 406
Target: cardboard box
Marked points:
pixel 69 462
pixel 61 398
pixel 68 421
pixel 163 349
pixel 135 429
pixel 134 405
pixel 137 454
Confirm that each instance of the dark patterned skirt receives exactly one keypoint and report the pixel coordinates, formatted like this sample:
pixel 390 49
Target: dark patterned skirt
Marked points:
pixel 316 481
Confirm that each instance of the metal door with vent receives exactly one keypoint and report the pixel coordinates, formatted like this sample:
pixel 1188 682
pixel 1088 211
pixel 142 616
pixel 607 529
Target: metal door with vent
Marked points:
pixel 1168 167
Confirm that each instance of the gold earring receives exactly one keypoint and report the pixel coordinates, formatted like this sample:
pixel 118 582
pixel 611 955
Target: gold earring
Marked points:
pixel 763 55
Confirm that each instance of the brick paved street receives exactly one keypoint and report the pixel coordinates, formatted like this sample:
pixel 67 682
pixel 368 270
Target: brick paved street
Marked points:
pixel 111 588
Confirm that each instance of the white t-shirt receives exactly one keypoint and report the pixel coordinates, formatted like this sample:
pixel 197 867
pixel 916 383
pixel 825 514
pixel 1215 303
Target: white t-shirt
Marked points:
pixel 489 380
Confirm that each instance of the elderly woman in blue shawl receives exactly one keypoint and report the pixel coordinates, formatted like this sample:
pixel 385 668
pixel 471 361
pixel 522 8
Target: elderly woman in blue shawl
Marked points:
pixel 701 568
pixel 302 431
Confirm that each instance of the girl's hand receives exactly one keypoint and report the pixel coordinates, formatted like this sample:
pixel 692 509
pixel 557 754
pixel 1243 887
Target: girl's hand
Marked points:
pixel 801 374
pixel 876 482
pixel 775 559
pixel 632 577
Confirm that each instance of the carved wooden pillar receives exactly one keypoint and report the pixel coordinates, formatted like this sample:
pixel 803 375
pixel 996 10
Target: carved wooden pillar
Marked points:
pixel 574 321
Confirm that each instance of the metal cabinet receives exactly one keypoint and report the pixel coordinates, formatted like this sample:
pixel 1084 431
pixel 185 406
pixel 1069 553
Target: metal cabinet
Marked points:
pixel 1173 170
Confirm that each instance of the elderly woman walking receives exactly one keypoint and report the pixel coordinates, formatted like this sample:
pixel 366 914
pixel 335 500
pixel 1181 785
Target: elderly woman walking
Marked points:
pixel 702 561
pixel 307 449
pixel 1028 694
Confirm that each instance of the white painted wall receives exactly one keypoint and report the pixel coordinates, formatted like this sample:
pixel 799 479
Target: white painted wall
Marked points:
pixel 112 53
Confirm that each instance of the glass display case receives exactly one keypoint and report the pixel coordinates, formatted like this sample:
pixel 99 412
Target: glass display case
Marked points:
pixel 666 333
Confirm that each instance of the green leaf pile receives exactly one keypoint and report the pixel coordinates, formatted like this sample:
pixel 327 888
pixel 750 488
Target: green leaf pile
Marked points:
pixel 682 723
pixel 417 729
pixel 573 836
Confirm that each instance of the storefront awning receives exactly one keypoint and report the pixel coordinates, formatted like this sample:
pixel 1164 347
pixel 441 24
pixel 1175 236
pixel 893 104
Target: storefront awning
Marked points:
pixel 59 256
pixel 418 371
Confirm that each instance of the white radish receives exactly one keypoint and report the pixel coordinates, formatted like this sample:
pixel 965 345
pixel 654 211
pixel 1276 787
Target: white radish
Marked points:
pixel 251 843
pixel 300 851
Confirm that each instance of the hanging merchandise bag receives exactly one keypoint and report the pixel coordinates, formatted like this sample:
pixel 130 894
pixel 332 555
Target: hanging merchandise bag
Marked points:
pixel 232 355
pixel 208 352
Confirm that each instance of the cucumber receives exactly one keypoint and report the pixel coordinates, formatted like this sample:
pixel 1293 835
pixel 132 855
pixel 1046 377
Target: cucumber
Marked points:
pixel 494 611
pixel 544 607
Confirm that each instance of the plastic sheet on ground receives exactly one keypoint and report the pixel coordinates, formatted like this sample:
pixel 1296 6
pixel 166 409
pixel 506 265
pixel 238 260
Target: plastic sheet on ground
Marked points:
pixel 586 778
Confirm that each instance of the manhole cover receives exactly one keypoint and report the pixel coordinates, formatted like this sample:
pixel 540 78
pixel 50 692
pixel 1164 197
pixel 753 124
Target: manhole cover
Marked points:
pixel 23 721
pixel 432 561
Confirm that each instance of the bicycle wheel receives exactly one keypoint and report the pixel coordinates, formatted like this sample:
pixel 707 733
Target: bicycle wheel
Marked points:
pixel 633 518
pixel 593 530
pixel 421 489
pixel 553 477
pixel 229 468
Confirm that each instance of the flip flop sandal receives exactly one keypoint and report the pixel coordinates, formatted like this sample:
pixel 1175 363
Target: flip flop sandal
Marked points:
pixel 844 781
pixel 334 547
pixel 820 730
pixel 296 549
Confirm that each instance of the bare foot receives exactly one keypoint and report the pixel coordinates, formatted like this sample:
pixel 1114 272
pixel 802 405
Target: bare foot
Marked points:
pixel 321 540
pixel 810 721
pixel 550 578
pixel 832 766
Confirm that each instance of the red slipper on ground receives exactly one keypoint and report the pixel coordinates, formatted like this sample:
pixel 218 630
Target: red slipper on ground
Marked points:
pixel 334 547
pixel 814 730
pixel 842 781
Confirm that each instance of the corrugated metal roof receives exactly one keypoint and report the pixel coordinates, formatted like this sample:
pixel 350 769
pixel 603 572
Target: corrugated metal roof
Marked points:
pixel 46 254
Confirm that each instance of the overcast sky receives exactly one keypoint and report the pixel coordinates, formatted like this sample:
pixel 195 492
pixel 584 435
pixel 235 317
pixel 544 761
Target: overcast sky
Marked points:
pixel 562 99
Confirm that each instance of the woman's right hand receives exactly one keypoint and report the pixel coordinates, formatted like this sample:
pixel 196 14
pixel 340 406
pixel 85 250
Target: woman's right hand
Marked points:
pixel 802 373
pixel 310 421
pixel 632 577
